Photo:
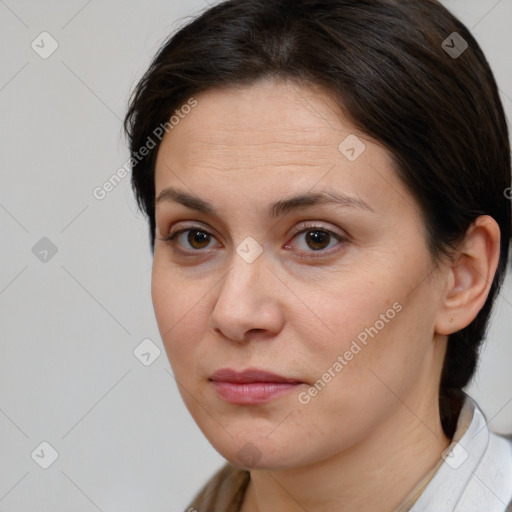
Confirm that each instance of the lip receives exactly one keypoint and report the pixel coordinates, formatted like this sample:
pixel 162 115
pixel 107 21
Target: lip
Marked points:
pixel 249 375
pixel 251 386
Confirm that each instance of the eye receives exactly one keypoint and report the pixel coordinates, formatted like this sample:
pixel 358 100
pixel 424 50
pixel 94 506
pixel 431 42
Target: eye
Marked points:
pixel 197 238
pixel 317 238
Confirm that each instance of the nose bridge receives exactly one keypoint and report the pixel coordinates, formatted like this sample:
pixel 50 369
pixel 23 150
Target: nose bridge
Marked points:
pixel 245 301
pixel 247 269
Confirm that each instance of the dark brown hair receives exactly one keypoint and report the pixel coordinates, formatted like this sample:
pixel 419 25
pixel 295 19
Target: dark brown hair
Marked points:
pixel 384 61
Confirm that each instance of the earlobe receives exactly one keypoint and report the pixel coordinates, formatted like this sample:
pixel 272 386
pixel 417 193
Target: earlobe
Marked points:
pixel 470 276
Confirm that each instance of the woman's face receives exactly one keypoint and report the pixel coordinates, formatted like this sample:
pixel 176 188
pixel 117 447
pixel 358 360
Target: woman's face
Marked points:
pixel 340 294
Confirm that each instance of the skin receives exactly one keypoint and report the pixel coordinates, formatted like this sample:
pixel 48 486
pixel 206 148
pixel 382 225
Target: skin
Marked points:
pixel 366 439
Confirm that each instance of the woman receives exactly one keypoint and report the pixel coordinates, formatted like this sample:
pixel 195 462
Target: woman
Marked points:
pixel 325 187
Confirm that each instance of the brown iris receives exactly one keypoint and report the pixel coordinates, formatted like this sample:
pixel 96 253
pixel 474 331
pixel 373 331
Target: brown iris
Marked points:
pixel 199 237
pixel 317 237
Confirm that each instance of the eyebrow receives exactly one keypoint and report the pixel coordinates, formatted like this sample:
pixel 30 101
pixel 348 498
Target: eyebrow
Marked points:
pixel 279 208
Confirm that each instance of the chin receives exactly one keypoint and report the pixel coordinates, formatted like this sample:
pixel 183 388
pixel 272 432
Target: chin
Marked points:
pixel 258 451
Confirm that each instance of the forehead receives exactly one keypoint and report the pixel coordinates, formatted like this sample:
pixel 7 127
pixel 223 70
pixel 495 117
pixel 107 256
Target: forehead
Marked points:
pixel 271 136
pixel 270 112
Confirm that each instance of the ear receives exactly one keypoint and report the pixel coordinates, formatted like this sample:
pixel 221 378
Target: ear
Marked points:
pixel 469 278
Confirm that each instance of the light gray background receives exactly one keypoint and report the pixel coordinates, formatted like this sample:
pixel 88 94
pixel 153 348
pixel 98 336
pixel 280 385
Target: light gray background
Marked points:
pixel 69 326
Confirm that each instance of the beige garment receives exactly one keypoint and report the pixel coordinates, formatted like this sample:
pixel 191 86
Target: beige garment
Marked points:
pixel 224 492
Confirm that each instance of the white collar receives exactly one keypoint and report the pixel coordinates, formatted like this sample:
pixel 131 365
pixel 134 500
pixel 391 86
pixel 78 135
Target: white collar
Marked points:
pixel 476 475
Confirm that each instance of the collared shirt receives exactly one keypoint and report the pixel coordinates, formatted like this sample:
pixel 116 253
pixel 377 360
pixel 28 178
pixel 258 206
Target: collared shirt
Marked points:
pixel 473 475
pixel 476 473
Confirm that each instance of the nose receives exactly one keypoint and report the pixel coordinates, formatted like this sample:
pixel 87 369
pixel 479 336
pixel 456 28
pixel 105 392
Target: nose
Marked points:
pixel 248 301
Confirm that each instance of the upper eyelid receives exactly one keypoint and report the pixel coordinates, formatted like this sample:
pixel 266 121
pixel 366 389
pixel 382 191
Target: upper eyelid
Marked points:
pixel 297 229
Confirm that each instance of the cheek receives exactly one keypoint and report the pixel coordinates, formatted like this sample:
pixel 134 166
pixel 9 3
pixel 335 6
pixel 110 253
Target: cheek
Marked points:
pixel 383 345
pixel 178 315
pixel 364 321
pixel 343 310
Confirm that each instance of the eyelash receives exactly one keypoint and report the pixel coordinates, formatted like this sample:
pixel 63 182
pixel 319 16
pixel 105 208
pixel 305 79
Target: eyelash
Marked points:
pixel 171 239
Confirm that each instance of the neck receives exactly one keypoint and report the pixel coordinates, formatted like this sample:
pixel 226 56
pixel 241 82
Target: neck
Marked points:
pixel 376 474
